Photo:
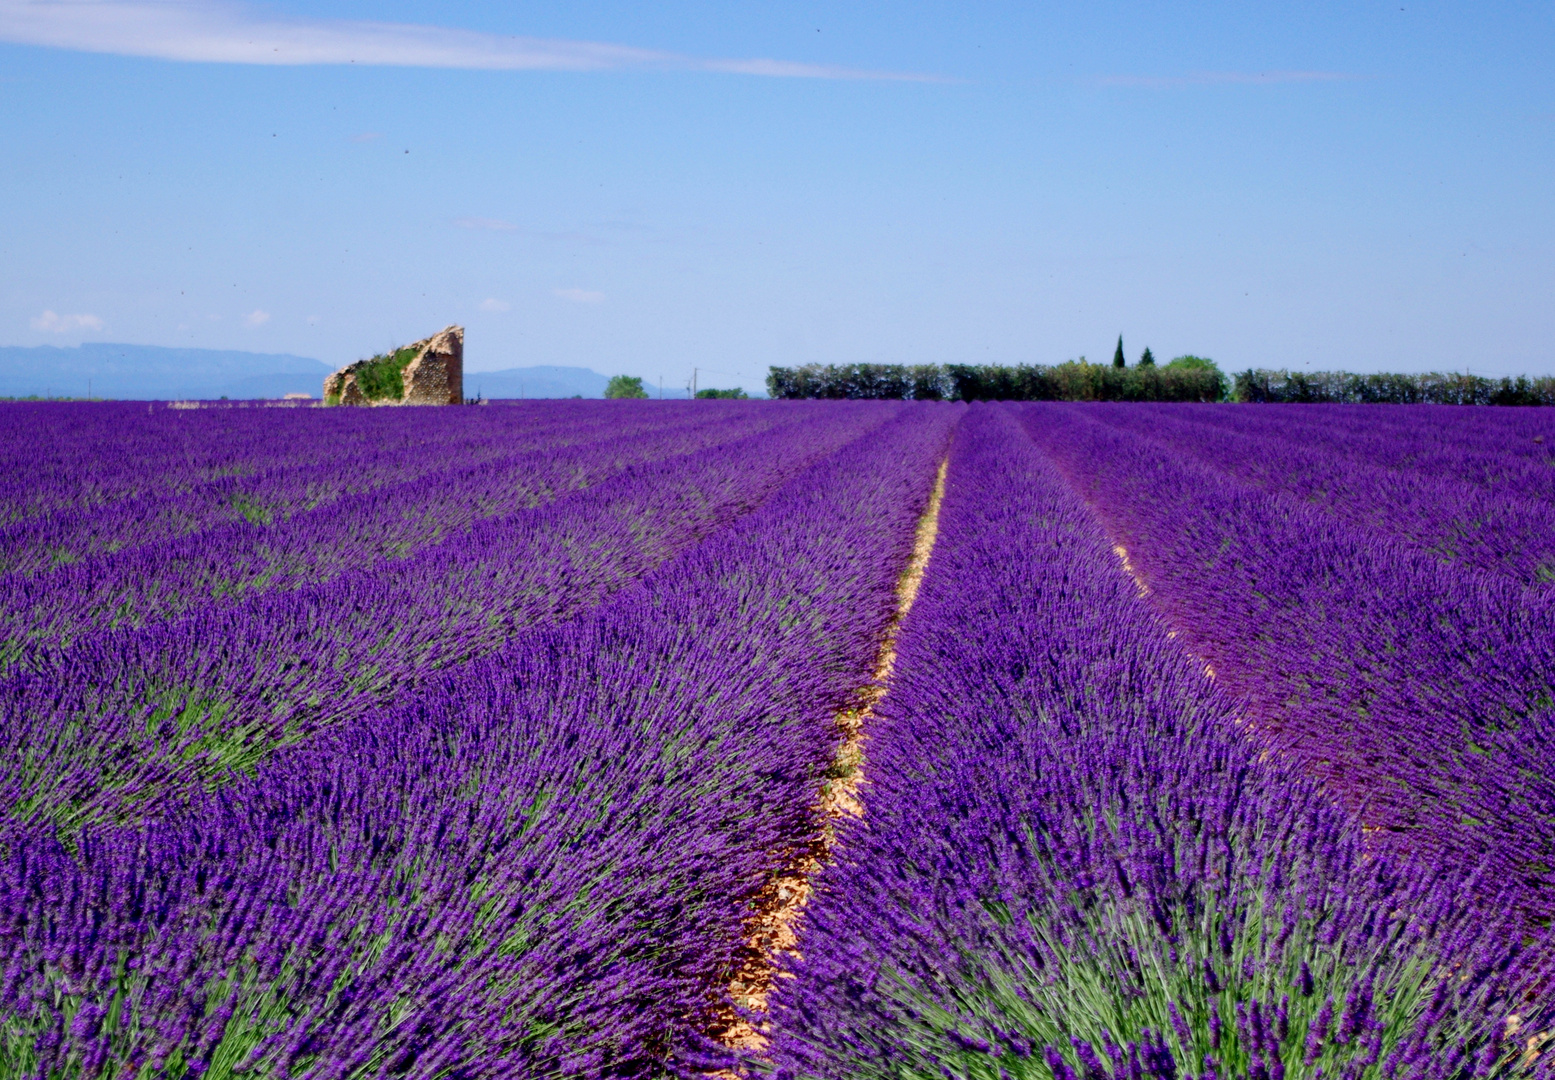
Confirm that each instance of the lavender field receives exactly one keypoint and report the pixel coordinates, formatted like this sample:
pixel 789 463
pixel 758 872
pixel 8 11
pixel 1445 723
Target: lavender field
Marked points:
pixel 777 739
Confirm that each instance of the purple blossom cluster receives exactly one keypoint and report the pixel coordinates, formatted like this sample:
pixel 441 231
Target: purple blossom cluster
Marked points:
pixel 98 479
pixel 447 487
pixel 124 719
pixel 541 862
pixel 1427 476
pixel 482 742
pixel 1072 861
pixel 1420 692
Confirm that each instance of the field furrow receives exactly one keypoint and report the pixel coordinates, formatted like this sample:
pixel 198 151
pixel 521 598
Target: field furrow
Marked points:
pixel 1453 519
pixel 1072 863
pixel 230 482
pixel 542 864
pixel 125 719
pixel 1422 696
pixel 163 580
pixel 777 740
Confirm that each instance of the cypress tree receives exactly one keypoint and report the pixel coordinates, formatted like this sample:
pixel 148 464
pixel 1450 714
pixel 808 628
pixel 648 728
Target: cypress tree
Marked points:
pixel 1117 357
pixel 1147 358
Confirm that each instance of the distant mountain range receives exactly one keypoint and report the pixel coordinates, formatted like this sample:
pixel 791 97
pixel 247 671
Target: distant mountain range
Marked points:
pixel 155 373
pixel 535 382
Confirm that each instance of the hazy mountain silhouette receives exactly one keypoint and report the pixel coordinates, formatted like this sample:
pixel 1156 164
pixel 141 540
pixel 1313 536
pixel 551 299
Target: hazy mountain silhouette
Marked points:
pixel 155 373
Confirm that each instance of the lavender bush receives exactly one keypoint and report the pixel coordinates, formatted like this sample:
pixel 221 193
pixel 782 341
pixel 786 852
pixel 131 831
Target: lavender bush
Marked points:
pixel 541 865
pixel 1499 529
pixel 126 718
pixel 1420 694
pixel 447 495
pixel 482 742
pixel 1072 862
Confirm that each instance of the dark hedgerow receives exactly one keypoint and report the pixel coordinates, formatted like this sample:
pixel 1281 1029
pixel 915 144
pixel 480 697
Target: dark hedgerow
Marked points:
pixel 1072 381
pixel 1432 388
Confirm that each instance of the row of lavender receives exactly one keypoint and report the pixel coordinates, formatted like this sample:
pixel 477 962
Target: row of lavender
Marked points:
pixel 1076 861
pixel 124 719
pixel 443 493
pixel 1419 688
pixel 513 793
pixel 1476 494
pixel 83 480
pixel 542 863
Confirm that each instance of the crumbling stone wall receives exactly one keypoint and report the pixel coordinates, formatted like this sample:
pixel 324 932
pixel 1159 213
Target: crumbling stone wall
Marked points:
pixel 434 377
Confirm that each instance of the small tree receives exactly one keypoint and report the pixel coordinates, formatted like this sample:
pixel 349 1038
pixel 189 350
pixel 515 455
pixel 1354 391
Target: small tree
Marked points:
pixel 737 394
pixel 1117 357
pixel 1189 362
pixel 1147 358
pixel 625 386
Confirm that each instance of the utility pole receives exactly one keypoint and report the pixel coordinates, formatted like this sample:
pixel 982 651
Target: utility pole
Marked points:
pixel 693 383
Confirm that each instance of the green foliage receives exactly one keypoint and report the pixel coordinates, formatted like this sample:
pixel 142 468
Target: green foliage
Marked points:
pixel 1072 381
pixel 737 394
pixel 922 382
pixel 1188 360
pixel 1117 980
pixel 381 377
pixel 1080 381
pixel 1434 387
pixel 1147 358
pixel 1117 357
pixel 625 386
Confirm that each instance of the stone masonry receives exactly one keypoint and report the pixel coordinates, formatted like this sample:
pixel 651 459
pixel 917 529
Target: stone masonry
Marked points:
pixel 434 377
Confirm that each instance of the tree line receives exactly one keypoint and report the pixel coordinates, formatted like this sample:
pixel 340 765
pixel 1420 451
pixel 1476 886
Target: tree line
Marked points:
pixel 1188 378
pixel 1433 388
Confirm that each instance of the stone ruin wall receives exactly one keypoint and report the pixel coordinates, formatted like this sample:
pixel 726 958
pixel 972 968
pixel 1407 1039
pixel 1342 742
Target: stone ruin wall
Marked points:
pixel 434 377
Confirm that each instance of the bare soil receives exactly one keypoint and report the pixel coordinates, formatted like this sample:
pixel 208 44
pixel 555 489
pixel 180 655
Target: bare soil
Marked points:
pixel 773 931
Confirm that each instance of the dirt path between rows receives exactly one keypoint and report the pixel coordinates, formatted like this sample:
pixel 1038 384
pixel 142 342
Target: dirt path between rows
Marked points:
pixel 773 932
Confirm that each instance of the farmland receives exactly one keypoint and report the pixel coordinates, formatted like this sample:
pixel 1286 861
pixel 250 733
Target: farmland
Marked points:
pixel 795 739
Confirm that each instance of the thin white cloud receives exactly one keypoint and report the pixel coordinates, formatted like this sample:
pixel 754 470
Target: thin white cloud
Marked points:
pixel 491 223
pixel 256 318
pixel 492 304
pixel 1212 78
pixel 53 323
pixel 580 296
pixel 214 31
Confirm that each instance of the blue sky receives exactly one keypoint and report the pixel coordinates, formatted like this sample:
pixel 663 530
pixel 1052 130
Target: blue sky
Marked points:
pixel 644 189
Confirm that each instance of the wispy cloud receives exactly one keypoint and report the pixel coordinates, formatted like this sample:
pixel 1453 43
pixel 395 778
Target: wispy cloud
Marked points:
pixel 492 304
pixel 53 323
pixel 256 318
pixel 1212 78
pixel 580 296
pixel 213 31
pixel 494 224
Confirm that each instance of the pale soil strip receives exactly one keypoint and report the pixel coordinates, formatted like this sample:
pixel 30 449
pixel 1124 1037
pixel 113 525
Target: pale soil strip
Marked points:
pixel 1144 593
pixel 774 930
